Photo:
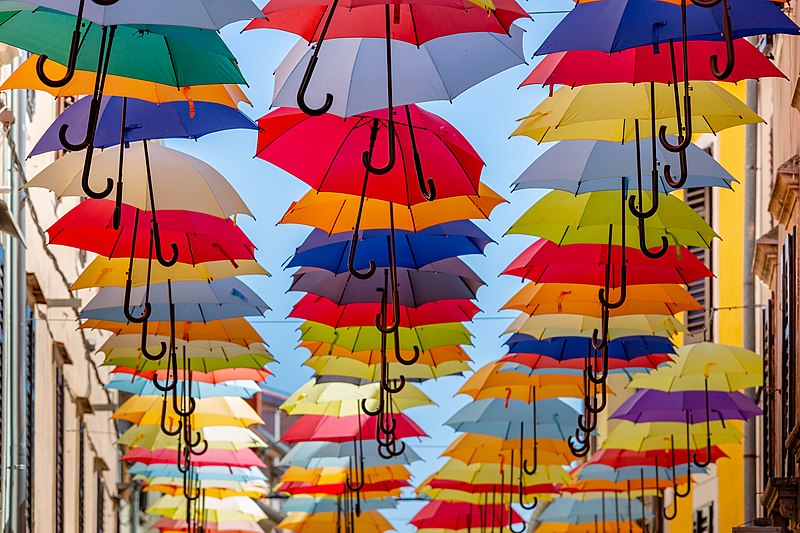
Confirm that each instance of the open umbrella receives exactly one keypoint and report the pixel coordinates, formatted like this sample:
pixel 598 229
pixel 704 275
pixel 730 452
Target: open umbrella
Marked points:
pixel 473 448
pixel 218 437
pixel 316 428
pixel 462 515
pixel 244 458
pixel 334 454
pixel 337 368
pixel 144 386
pixel 366 522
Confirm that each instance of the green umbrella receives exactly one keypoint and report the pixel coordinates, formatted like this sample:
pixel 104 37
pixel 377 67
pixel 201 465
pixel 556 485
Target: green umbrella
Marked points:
pixel 369 338
pixel 199 364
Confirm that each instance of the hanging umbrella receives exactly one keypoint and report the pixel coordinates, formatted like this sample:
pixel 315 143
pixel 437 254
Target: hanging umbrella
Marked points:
pixel 471 448
pixel 438 69
pixel 533 363
pixel 129 346
pixel 564 348
pixel 493 417
pixel 25 77
pixel 413 250
pixel 235 330
pixel 550 326
pixel 229 411
pixel 433 356
pixel 335 213
pixel 607 527
pixel 647 405
pixel 244 458
pixel 335 454
pixel 368 338
pixel 143 386
pixel 316 428
pixel 217 377
pixel 311 505
pixel 202 473
pixel 547 262
pixel 169 525
pixel 342 367
pixel 620 458
pixel 336 475
pixel 553 298
pixel 343 399
pixel 218 438
pixel 487 382
pixel 567 510
pixel 656 435
pixel 462 515
pixel 366 522
pixel 215 510
pixel 249 362
pixel 488 474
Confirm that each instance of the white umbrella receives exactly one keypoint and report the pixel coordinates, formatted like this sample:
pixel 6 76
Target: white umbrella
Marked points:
pixel 439 69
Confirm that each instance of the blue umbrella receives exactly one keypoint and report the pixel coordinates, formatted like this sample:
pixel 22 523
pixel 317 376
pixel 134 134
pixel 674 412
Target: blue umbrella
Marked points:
pixel 555 419
pixel 328 505
pixel 567 510
pixel 194 301
pixel 203 473
pixel 414 250
pixel 144 121
pixel 629 473
pixel 145 387
pixel 338 454
pixel 561 348
pixel 614 25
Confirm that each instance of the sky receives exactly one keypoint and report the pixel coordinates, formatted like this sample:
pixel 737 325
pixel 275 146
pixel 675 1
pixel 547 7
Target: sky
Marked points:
pixel 485 115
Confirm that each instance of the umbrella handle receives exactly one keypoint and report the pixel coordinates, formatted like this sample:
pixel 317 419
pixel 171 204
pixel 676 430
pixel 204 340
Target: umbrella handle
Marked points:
pixel 312 65
pixel 126 308
pixel 159 252
pixel 73 52
pixel 151 356
pixel 678 493
pixel 681 181
pixel 582 448
pixel 366 156
pixel 117 218
pixel 600 337
pixel 727 33
pixel 351 258
pixel 426 187
pixel 408 362
pixel 643 244
pixel 172 368
pixel 366 411
pixel 685 139
pixel 167 430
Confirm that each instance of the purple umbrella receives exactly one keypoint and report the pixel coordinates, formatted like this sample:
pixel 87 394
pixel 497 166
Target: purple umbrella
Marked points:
pixel 448 279
pixel 649 405
pixel 144 120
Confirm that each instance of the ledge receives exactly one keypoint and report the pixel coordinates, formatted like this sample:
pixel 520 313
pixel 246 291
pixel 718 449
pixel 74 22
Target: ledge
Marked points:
pixel 765 262
pixel 783 201
pixel 780 499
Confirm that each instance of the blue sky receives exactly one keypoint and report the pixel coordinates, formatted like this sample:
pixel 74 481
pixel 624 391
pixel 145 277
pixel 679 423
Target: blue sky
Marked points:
pixel 485 114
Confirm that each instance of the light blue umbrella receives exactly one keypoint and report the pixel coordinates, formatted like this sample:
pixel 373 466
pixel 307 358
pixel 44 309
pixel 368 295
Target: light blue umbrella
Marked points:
pixel 590 166
pixel 195 301
pixel 629 473
pixel 555 419
pixel 567 510
pixel 203 473
pixel 328 505
pixel 338 454
pixel 145 387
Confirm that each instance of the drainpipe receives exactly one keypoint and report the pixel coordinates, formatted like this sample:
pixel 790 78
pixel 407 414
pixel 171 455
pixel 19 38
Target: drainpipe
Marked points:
pixel 749 294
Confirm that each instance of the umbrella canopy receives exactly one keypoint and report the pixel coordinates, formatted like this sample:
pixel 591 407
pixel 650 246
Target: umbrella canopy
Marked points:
pixel 534 363
pixel 233 330
pixel 617 458
pixel 336 475
pixel 344 399
pixel 431 357
pixel 199 237
pixel 193 301
pixel 369 338
pixel 203 473
pixel 488 382
pixel 173 174
pixel 216 377
pixel 413 250
pixel 367 522
pixel 218 437
pixel 568 510
pixel 554 298
pixel 471 448
pixel 563 325
pixel 564 218
pixel 647 405
pixel 169 525
pixel 574 114
pixel 413 22
pixel 547 262
pixel 228 411
pixel 462 515
pixel 196 13
pixel 319 309
pixel 335 454
pixel 311 505
pixel 565 348
pixel 214 509
pixel 338 145
pixel 649 63
pixel 596 472
pixel 25 77
pixel 244 458
pixel 335 213
pixel 316 428
pixel 649 436
pixel 440 69
pixel 142 386
pixel 448 279
pixel 489 474
pixel 162 54
pixel 338 367
pixel 496 418
pixel 633 23
pixel 589 166
pixel 725 368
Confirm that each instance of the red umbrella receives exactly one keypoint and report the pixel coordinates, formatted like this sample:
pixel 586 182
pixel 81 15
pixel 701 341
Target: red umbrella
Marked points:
pixel 415 22
pixel 461 515
pixel 337 165
pixel 484 488
pixel 295 487
pixel 319 309
pixel 644 64
pixel 244 458
pixel 616 458
pixel 537 362
pixel 547 262
pixel 320 428
pixel 199 237
pixel 169 524
pixel 214 377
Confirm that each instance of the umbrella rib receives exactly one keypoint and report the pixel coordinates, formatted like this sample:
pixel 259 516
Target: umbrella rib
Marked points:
pixel 337 152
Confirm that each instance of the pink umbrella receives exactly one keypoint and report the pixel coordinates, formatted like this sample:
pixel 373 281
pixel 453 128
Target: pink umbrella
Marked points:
pixel 243 458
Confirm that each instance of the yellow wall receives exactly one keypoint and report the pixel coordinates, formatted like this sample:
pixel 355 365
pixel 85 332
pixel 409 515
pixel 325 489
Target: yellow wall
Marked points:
pixel 729 224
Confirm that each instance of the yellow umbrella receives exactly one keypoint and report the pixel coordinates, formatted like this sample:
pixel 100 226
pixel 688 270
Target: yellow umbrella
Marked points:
pixel 329 365
pixel 659 435
pixel 173 174
pixel 344 399
pixel 549 326
pixel 233 509
pixel 175 488
pixel 367 522
pixel 335 213
pixel 130 346
pixel 432 357
pixel 608 112
pixel 218 437
pixel 25 77
pixel 490 382
pixel 567 298
pixel 104 272
pixel 235 330
pixel 726 368
pixel 471 448
pixel 336 475
pixel 605 527
pixel 222 411
pixel 490 473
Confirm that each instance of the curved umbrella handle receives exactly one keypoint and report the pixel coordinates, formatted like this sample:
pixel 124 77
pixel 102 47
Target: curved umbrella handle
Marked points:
pixel 366 411
pixel 351 258
pixel 594 407
pixel 603 292
pixel 684 168
pixel 146 311
pixel 727 33
pixel 312 65
pixel 117 218
pixel 685 139
pixel 643 244
pixel 600 337
pixel 159 252
pixel 579 447
pixel 426 187
pixel 394 386
pixel 172 369
pixel 167 430
pixel 654 187
pixel 366 156
pixel 151 356
pixel 73 52
pixel 408 362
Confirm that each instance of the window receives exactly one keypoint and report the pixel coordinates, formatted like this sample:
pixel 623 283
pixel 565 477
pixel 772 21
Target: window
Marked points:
pixel 768 347
pixel 699 323
pixel 100 504
pixel 703 519
pixel 788 277
pixel 59 448
pixel 2 355
pixel 30 411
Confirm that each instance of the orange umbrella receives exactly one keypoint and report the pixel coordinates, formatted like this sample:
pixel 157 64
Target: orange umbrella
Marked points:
pixel 235 330
pixel 572 299
pixel 471 448
pixel 491 382
pixel 432 357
